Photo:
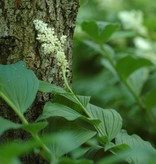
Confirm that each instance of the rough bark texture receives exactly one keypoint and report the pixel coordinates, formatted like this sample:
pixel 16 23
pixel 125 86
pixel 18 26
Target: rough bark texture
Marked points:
pixel 17 42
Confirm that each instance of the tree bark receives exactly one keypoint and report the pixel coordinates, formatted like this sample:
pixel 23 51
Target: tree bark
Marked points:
pixel 17 42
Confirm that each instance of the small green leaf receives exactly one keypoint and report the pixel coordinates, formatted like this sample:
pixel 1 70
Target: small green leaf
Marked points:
pixel 7 124
pixel 55 109
pixel 48 88
pixel 128 64
pixel 34 128
pixel 123 34
pixel 19 86
pixel 111 121
pixel 135 142
pixel 150 99
pixel 137 79
pixel 99 31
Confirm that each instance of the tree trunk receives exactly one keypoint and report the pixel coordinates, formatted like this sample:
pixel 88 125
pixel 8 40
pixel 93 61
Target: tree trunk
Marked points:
pixel 17 42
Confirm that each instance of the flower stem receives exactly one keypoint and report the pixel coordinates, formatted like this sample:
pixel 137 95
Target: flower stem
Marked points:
pixel 81 105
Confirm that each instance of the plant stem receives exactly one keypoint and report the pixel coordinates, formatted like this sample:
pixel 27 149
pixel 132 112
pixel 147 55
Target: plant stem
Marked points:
pixel 22 118
pixel 137 98
pixel 78 101
pixel 25 122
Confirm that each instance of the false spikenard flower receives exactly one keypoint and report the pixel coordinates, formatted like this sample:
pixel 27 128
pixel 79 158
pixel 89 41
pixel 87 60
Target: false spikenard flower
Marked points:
pixel 51 44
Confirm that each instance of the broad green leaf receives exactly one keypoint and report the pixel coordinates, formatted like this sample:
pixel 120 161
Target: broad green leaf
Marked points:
pixel 55 109
pixel 59 110
pixel 19 86
pixel 99 31
pixel 135 142
pixel 137 79
pixel 70 101
pixel 34 128
pixel 150 99
pixel 128 64
pixel 70 97
pixel 73 101
pixel 7 124
pixel 95 153
pixel 73 135
pixel 77 136
pixel 111 121
pixel 71 161
pixel 48 88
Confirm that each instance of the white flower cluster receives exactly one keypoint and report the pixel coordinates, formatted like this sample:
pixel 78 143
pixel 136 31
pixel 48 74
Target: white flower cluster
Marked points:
pixel 51 44
pixel 133 20
pixel 145 48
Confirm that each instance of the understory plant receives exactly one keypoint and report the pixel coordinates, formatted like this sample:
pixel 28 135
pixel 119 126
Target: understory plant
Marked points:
pixel 70 129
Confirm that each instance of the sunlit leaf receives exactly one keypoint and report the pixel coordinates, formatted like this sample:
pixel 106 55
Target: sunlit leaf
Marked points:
pixel 19 86
pixel 111 121
pixel 128 64
pixel 7 124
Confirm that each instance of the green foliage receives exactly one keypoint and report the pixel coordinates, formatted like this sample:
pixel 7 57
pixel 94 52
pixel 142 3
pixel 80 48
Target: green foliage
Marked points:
pixel 67 128
pixel 71 130
pixel 18 86
pixel 7 124
pixel 99 31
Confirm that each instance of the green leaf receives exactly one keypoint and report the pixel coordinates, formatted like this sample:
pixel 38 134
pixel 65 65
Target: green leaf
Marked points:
pixel 84 100
pixel 66 99
pixel 123 34
pixel 73 101
pixel 99 31
pixel 128 64
pixel 7 124
pixel 71 161
pixel 55 109
pixel 48 88
pixel 77 136
pixel 59 110
pixel 10 151
pixel 137 79
pixel 111 121
pixel 34 128
pixel 135 143
pixel 150 99
pixel 19 86
pixel 72 133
